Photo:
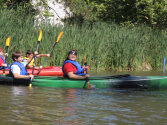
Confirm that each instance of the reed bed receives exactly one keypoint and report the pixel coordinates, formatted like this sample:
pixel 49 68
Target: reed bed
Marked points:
pixel 106 46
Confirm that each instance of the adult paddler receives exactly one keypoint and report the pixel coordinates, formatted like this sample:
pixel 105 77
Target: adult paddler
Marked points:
pixel 72 69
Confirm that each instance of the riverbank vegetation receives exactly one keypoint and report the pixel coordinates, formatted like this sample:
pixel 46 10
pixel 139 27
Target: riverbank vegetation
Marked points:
pixel 150 12
pixel 108 45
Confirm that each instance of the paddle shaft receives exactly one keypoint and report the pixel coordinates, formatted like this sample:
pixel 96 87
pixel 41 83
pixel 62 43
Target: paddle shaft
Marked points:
pixel 58 38
pixel 87 80
pixel 47 57
pixel 6 52
pixel 35 57
pixel 114 76
pixel 5 58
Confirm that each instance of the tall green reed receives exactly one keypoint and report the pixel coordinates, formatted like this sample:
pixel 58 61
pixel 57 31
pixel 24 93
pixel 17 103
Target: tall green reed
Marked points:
pixel 106 46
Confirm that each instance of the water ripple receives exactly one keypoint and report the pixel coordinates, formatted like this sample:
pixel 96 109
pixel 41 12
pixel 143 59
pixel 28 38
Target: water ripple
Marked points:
pixel 50 106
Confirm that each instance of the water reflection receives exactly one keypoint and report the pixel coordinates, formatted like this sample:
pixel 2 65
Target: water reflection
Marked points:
pixel 70 109
pixel 50 106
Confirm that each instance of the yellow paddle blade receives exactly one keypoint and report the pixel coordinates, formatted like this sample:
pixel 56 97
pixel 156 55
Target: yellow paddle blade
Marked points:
pixel 30 85
pixel 8 41
pixel 84 59
pixel 40 36
pixel 59 37
pixel 88 85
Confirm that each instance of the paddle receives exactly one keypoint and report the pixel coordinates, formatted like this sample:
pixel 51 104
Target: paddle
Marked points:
pixel 51 50
pixel 35 56
pixel 7 46
pixel 87 80
pixel 114 76
pixel 110 77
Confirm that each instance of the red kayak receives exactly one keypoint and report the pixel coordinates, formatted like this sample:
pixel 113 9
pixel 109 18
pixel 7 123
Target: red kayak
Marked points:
pixel 46 71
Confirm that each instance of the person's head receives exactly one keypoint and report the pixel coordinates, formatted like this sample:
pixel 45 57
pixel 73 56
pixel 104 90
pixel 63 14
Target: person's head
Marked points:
pixel 1 51
pixel 72 55
pixel 29 53
pixel 17 56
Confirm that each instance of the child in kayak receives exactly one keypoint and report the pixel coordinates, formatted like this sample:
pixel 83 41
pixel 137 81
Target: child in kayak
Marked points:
pixel 18 67
pixel 30 54
pixel 3 63
pixel 72 69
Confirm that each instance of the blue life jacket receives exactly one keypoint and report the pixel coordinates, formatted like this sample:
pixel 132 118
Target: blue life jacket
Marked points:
pixel 21 66
pixel 80 70
pixel 1 67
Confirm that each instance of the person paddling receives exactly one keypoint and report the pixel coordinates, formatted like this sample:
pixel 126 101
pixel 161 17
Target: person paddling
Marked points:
pixel 3 63
pixel 18 67
pixel 72 69
pixel 30 54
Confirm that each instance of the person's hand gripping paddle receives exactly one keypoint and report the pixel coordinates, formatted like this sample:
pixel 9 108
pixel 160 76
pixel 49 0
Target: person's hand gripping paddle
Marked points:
pixel 87 80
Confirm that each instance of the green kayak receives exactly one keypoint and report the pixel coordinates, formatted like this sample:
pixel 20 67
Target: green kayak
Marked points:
pixel 117 81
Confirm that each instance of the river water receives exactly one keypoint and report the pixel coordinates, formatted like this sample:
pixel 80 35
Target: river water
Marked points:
pixel 21 105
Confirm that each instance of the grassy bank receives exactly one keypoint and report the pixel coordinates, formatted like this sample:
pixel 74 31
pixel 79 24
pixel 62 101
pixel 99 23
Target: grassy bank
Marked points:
pixel 107 46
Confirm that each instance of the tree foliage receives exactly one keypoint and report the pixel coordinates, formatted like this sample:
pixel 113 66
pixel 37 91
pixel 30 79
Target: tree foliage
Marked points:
pixel 24 5
pixel 151 12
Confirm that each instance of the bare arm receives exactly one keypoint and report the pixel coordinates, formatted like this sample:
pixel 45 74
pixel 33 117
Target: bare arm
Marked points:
pixel 4 65
pixel 43 55
pixel 18 76
pixel 36 67
pixel 71 75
